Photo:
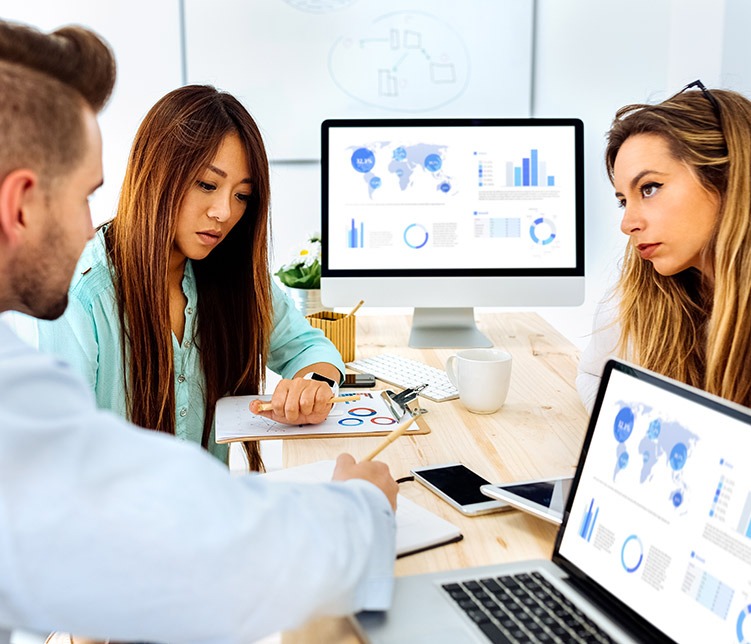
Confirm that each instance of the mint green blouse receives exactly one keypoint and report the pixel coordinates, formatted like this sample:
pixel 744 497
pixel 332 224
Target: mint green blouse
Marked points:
pixel 87 336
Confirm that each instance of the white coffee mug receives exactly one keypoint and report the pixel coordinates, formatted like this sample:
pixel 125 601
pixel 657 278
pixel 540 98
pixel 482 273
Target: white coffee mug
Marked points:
pixel 482 377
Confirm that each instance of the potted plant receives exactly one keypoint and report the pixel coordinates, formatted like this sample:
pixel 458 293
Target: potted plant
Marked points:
pixel 302 276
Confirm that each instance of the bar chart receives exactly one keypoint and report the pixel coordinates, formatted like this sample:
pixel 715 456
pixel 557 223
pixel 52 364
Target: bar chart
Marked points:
pixel 744 525
pixel 588 521
pixel 355 235
pixel 530 172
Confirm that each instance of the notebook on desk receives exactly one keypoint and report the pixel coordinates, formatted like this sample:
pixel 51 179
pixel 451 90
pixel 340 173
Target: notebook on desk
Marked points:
pixel 417 529
pixel 655 543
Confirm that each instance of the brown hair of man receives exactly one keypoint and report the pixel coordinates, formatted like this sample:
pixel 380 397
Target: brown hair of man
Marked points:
pixel 177 139
pixel 43 79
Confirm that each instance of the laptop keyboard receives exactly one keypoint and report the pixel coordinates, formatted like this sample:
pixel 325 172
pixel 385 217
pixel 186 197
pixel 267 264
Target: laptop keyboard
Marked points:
pixel 523 608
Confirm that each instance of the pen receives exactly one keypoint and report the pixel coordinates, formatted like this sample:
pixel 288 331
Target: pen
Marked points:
pixel 267 406
pixel 398 431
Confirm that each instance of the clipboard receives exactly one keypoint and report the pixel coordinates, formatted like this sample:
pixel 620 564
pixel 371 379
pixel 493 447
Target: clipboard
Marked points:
pixel 375 414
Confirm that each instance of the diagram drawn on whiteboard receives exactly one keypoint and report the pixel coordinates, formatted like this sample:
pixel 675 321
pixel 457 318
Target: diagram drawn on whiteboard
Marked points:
pixel 406 60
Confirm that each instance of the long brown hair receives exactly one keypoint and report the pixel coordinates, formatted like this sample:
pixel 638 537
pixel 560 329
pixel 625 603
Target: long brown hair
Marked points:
pixel 684 326
pixel 176 141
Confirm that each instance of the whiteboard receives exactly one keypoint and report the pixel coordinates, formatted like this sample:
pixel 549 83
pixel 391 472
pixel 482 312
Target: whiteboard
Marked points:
pixel 294 63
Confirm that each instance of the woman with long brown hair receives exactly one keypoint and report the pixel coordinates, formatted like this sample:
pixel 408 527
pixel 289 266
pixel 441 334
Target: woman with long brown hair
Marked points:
pixel 682 174
pixel 172 305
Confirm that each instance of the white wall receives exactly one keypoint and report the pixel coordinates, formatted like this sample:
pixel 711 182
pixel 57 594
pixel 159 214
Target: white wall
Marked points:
pixel 145 37
pixel 592 56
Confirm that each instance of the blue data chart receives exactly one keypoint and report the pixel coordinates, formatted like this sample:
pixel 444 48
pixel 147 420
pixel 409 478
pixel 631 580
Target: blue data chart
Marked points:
pixel 395 171
pixel 723 495
pixel 744 525
pixel 530 172
pixel 708 590
pixel 589 519
pixel 415 236
pixel 653 452
pixel 355 235
pixel 632 553
pixel 542 231
pixel 497 227
pixel 739 630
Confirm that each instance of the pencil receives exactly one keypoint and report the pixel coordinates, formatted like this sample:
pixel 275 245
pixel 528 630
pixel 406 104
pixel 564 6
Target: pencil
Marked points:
pixel 398 431
pixel 353 311
pixel 267 406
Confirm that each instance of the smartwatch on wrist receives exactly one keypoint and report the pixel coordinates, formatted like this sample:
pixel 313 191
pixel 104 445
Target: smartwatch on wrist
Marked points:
pixel 312 375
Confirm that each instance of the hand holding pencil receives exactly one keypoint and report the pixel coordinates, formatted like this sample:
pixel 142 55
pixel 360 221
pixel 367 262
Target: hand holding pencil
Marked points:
pixel 258 405
pixel 297 401
pixel 374 471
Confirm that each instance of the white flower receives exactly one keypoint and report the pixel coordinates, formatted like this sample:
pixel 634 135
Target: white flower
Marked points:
pixel 307 254
pixel 310 253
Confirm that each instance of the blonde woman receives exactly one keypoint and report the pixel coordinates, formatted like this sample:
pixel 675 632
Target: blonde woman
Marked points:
pixel 682 175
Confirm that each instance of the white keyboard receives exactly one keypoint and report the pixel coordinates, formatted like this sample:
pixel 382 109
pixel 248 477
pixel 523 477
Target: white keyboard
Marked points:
pixel 405 373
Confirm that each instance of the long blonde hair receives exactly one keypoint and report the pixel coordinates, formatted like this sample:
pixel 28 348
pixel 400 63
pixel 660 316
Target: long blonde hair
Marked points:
pixel 681 325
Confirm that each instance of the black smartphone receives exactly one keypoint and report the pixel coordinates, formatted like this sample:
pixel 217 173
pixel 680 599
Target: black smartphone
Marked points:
pixel 358 380
pixel 459 487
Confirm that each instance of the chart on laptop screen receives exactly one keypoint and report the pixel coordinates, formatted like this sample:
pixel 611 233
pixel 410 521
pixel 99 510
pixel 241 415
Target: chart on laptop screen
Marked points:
pixel 441 196
pixel 662 514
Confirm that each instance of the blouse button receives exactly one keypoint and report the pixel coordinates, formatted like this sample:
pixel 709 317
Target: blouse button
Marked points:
pixel 183 412
pixel 187 344
pixel 181 378
pixel 189 310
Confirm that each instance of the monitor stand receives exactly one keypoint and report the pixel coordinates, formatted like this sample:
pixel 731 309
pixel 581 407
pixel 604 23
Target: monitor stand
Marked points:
pixel 451 327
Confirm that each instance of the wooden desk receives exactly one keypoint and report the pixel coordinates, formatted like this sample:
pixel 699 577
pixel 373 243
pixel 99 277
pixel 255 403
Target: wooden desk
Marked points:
pixel 537 433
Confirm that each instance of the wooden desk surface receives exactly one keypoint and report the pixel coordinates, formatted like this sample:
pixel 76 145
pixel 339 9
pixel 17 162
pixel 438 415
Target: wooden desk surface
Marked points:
pixel 537 433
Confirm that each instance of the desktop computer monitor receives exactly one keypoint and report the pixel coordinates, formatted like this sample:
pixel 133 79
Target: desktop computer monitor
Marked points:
pixel 444 215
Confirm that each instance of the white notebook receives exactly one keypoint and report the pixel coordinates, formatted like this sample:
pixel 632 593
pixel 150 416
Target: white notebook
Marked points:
pixel 417 529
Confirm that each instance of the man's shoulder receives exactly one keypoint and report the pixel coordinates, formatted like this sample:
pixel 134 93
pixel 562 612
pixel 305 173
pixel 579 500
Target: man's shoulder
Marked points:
pixel 33 383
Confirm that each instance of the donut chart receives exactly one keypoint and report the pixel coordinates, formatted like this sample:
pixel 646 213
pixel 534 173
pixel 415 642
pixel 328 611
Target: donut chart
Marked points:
pixel 542 231
pixel 739 625
pixel 415 236
pixel 632 553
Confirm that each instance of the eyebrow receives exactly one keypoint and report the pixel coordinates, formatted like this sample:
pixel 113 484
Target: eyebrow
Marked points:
pixel 223 174
pixel 638 178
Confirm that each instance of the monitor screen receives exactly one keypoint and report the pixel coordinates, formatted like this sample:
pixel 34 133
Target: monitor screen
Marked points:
pixel 452 213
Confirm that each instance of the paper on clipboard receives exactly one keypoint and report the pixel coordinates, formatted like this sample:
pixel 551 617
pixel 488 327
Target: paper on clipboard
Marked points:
pixel 368 416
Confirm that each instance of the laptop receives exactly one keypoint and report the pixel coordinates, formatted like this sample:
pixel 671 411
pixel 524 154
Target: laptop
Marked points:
pixel 655 544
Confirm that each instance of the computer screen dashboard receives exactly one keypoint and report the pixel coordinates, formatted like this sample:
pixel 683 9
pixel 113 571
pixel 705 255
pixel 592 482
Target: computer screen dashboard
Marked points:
pixel 447 214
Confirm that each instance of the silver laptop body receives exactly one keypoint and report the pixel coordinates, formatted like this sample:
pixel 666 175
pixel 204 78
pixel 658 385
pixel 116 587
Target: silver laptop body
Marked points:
pixel 655 544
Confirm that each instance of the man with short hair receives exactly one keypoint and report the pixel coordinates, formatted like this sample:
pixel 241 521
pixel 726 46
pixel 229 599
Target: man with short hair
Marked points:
pixel 106 530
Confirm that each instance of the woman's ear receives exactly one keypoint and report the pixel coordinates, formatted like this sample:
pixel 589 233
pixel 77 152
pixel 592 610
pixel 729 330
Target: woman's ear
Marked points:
pixel 19 196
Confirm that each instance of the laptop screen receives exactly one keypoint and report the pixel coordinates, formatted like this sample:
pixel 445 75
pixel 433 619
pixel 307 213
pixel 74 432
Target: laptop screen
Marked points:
pixel 661 515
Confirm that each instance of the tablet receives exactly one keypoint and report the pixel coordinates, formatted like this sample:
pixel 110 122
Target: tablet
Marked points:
pixel 545 498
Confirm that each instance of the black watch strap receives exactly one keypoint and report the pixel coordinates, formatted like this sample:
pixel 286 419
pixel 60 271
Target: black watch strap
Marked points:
pixel 312 375
pixel 320 378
